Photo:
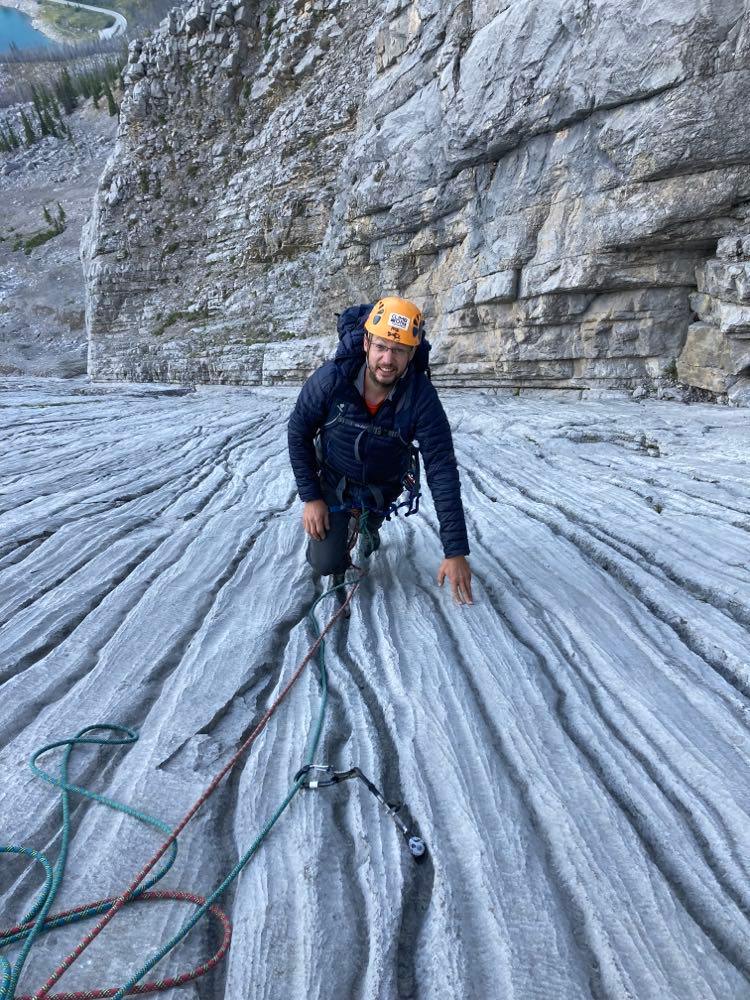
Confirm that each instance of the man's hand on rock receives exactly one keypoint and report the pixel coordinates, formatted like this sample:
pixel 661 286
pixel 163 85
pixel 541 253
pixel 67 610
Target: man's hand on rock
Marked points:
pixel 315 519
pixel 459 573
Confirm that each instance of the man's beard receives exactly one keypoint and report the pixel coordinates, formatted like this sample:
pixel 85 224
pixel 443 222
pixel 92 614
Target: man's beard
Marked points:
pixel 382 378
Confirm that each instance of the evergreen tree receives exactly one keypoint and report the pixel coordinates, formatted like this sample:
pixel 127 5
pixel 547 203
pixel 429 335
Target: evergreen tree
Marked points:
pixel 50 123
pixel 66 92
pixel 54 109
pixel 5 145
pixel 13 139
pixel 96 91
pixel 61 216
pixel 28 129
pixel 36 100
pixel 62 98
pixel 70 88
pixel 49 103
pixel 43 124
pixel 47 217
pixel 111 103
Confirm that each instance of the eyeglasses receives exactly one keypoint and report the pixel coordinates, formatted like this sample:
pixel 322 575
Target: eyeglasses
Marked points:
pixel 380 347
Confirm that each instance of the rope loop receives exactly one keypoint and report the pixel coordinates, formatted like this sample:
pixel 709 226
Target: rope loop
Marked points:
pixel 39 920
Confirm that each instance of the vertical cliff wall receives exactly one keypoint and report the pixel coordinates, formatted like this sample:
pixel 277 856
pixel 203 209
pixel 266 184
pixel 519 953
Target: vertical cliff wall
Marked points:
pixel 543 178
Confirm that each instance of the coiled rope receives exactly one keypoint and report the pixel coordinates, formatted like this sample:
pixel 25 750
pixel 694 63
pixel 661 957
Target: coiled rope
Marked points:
pixel 39 921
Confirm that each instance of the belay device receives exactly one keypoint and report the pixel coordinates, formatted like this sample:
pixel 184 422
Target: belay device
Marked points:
pixel 416 845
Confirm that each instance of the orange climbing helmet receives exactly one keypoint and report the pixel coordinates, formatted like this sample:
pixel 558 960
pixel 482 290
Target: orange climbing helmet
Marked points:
pixel 393 318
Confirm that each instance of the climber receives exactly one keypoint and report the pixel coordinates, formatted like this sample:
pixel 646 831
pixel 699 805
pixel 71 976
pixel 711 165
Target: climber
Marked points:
pixel 351 433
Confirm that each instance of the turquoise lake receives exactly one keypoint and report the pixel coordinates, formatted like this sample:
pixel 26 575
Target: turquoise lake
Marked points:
pixel 16 29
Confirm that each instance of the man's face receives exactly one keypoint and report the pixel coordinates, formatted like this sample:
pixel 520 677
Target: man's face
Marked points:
pixel 386 361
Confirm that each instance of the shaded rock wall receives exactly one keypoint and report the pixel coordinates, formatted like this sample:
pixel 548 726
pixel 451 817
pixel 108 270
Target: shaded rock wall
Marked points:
pixel 543 178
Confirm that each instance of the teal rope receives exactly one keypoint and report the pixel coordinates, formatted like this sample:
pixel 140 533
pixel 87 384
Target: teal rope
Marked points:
pixel 369 538
pixel 247 856
pixel 10 974
pixel 53 876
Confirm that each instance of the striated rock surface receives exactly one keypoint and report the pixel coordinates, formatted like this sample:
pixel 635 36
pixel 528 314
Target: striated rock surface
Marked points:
pixel 544 178
pixel 573 748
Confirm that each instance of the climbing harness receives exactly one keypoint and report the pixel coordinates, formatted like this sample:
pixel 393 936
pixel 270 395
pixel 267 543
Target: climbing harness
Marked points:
pixel 415 844
pixel 410 482
pixel 363 494
pixel 39 919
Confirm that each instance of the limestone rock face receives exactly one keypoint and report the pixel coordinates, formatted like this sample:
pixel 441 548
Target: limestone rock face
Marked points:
pixel 544 178
pixel 716 355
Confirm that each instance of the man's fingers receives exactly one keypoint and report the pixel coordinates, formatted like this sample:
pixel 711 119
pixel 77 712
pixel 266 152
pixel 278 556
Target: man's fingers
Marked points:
pixel 316 527
pixel 315 519
pixel 461 587
pixel 458 572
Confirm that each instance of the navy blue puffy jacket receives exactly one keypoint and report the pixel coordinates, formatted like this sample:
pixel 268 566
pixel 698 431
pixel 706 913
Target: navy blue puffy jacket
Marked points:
pixel 414 411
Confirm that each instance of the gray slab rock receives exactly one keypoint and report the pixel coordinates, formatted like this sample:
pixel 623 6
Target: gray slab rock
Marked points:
pixel 572 747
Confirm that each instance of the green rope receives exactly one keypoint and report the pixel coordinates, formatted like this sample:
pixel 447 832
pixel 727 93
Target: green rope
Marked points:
pixel 368 537
pixel 54 876
pixel 10 974
pixel 247 856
